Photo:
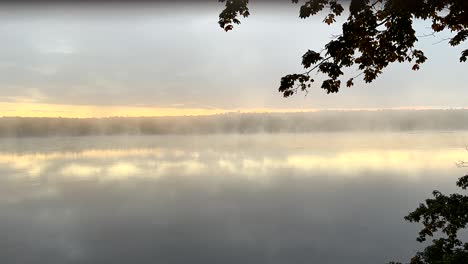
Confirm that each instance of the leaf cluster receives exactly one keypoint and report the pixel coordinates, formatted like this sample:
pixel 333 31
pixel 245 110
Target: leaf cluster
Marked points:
pixel 445 216
pixel 376 34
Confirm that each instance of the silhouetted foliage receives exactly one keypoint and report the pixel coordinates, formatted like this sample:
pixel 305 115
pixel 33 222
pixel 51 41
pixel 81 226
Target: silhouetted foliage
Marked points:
pixel 375 34
pixel 444 216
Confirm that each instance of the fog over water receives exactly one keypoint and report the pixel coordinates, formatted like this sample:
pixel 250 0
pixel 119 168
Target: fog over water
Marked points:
pixel 241 123
pixel 178 148
pixel 276 198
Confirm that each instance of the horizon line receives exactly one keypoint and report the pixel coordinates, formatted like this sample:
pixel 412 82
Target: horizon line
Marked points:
pixel 33 110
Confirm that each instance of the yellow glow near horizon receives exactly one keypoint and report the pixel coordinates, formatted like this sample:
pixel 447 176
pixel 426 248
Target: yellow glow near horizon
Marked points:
pixel 86 111
pixel 31 109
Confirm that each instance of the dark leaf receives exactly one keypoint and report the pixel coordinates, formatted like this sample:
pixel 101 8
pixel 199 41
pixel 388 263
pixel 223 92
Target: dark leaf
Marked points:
pixel 310 57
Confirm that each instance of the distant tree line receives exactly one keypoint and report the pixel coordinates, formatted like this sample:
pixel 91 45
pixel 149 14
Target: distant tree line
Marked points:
pixel 242 123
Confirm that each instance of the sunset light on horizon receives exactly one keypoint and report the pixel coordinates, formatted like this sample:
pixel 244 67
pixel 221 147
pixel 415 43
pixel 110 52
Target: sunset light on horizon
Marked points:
pixel 25 109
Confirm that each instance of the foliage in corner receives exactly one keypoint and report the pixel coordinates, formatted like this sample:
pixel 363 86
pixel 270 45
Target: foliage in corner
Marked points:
pixel 443 216
pixel 375 34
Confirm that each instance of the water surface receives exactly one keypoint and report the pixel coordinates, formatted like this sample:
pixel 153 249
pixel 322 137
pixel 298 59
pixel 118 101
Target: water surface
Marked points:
pixel 283 198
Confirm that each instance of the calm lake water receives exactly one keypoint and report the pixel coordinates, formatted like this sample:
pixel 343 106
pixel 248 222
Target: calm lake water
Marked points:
pixel 285 198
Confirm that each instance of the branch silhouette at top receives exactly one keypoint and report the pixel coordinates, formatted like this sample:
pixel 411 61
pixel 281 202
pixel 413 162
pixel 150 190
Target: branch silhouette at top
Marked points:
pixel 375 34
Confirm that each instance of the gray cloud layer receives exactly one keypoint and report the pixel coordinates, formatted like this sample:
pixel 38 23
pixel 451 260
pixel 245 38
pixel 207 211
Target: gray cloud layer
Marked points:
pixel 176 55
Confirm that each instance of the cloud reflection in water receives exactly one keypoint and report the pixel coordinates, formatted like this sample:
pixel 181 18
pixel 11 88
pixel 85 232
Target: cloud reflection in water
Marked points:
pixel 237 200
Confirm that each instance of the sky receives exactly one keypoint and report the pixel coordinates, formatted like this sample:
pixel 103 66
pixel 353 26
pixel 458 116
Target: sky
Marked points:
pixel 174 59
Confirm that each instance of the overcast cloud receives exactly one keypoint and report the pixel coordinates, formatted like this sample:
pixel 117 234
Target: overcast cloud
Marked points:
pixel 177 56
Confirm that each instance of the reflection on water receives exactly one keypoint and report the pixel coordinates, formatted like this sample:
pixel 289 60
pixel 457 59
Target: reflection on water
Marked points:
pixel 313 198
